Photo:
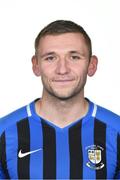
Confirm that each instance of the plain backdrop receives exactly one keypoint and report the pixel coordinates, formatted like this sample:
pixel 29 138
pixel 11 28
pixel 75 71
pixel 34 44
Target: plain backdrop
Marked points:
pixel 21 21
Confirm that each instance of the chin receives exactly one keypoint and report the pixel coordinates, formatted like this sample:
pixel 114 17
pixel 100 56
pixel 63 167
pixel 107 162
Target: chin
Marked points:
pixel 63 94
pixel 64 97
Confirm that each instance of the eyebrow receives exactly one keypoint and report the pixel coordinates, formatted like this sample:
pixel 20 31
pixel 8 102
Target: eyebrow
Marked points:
pixel 52 53
pixel 77 52
pixel 47 54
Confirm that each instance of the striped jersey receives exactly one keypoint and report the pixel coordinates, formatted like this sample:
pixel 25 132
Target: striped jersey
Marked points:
pixel 34 148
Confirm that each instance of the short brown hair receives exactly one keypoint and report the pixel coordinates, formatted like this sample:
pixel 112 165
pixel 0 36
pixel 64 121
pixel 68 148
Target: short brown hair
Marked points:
pixel 61 27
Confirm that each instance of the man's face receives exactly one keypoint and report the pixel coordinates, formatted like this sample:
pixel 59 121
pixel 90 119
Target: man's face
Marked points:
pixel 62 62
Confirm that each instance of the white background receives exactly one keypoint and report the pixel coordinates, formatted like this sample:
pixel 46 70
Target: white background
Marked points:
pixel 20 22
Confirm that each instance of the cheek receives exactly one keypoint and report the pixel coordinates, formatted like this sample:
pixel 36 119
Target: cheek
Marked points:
pixel 46 73
pixel 80 70
pixel 47 69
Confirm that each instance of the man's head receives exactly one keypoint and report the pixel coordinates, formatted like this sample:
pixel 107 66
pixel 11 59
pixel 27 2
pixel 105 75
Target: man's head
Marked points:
pixel 61 27
pixel 63 59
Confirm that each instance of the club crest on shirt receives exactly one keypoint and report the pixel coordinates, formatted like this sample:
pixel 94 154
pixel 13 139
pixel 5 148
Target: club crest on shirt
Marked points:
pixel 94 153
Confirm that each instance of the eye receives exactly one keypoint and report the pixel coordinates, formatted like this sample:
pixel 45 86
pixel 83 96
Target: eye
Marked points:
pixel 75 57
pixel 50 58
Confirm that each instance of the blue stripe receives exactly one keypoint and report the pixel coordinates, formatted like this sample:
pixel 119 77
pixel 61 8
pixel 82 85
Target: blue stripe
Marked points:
pixel 62 149
pixel 87 142
pixel 11 151
pixel 12 118
pixel 36 142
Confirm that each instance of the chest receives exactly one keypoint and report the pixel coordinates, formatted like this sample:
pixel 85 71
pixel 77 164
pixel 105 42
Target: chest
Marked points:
pixel 45 152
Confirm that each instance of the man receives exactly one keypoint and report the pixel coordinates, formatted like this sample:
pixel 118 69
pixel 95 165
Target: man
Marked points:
pixel 63 135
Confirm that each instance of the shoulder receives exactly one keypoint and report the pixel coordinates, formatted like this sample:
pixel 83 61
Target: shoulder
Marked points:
pixel 12 118
pixel 108 117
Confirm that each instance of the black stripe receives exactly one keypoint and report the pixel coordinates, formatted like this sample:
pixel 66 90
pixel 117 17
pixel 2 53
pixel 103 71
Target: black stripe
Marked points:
pixel 118 155
pixel 24 146
pixel 3 155
pixel 49 151
pixel 100 142
pixel 76 156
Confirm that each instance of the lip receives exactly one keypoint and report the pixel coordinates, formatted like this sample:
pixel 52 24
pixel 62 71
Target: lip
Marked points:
pixel 63 81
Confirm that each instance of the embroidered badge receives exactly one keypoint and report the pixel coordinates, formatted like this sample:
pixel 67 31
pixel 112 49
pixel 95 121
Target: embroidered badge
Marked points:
pixel 94 153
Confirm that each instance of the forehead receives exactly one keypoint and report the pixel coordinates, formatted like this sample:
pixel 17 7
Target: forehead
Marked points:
pixel 62 42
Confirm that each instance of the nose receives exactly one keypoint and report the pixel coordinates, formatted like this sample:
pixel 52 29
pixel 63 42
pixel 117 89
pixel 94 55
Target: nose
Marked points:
pixel 62 67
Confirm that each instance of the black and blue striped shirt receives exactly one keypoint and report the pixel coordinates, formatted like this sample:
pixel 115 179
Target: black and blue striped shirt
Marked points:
pixel 34 148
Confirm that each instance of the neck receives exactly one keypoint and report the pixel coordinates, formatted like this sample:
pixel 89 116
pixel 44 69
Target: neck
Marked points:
pixel 66 111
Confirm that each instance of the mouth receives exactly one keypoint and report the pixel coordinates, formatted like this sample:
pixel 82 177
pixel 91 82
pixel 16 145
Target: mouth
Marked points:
pixel 63 81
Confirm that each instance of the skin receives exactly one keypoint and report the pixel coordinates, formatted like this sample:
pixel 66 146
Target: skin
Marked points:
pixel 63 63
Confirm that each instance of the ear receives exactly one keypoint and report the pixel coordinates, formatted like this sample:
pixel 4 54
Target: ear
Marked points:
pixel 92 65
pixel 35 66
